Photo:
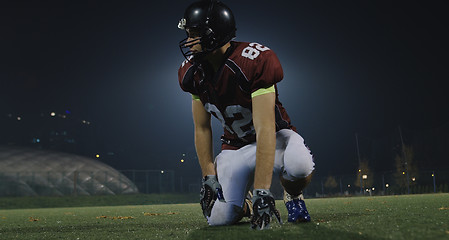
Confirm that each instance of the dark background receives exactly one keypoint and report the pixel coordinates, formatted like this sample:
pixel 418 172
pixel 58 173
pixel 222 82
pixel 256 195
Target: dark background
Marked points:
pixel 351 67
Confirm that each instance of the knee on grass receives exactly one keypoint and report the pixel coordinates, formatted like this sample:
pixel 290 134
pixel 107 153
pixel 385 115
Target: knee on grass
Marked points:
pixel 225 214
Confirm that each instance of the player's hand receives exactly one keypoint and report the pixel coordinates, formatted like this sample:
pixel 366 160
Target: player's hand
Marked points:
pixel 210 191
pixel 263 209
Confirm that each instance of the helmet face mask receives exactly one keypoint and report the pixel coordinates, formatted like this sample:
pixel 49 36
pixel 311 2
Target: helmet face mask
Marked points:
pixel 195 36
pixel 209 23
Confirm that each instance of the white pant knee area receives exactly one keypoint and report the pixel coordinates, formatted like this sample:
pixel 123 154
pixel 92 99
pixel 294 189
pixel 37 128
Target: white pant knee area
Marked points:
pixel 224 214
pixel 298 171
pixel 298 160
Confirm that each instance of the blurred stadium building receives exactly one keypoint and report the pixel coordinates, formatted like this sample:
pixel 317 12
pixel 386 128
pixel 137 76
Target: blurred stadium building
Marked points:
pixel 34 172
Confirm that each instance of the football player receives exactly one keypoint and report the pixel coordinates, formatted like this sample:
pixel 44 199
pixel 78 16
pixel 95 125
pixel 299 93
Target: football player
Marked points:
pixel 236 83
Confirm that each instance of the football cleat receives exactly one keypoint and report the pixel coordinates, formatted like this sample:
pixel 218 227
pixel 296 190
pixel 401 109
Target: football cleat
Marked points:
pixel 296 208
pixel 248 205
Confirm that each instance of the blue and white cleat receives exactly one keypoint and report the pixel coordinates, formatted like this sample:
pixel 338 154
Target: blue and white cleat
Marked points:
pixel 296 207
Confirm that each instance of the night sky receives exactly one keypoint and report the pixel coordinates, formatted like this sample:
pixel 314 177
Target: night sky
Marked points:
pixel 350 67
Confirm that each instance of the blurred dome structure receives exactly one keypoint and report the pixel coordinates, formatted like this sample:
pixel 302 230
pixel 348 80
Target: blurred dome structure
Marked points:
pixel 32 172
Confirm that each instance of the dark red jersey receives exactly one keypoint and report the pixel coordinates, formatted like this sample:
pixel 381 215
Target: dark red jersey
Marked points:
pixel 227 93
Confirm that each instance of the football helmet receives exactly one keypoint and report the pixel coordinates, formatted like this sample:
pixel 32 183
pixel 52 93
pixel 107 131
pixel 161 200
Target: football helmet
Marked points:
pixel 213 24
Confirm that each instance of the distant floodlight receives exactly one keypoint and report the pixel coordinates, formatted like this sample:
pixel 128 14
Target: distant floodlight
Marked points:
pixel 97 156
pixel 52 114
pixel 387 185
pixel 162 171
pixel 360 170
pixel 403 173
pixel 413 179
pixel 182 160
pixel 373 189
pixel 349 185
pixel 19 118
pixel 364 176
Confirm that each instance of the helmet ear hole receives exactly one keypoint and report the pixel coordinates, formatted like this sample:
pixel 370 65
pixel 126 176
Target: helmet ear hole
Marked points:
pixel 209 40
pixel 208 32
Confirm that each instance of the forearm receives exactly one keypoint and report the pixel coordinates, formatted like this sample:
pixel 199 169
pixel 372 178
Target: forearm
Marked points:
pixel 203 138
pixel 264 125
pixel 204 151
pixel 266 147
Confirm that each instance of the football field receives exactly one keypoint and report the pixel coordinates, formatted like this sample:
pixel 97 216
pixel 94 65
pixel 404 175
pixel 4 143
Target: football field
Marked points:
pixel 389 217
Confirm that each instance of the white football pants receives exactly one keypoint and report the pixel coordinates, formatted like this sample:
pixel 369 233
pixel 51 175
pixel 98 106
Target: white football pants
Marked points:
pixel 235 171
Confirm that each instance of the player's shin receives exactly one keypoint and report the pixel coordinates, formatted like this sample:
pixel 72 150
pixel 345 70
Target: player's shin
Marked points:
pixel 295 187
pixel 293 199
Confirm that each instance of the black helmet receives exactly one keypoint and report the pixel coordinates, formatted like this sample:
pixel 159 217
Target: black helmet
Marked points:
pixel 213 21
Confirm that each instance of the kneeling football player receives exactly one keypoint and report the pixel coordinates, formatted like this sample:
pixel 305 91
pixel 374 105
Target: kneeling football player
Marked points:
pixel 236 83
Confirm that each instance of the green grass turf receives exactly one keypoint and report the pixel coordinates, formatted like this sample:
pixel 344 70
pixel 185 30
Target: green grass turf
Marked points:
pixel 90 201
pixel 390 217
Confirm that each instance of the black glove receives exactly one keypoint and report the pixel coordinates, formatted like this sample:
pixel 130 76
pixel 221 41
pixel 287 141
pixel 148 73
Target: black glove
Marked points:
pixel 263 208
pixel 210 191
